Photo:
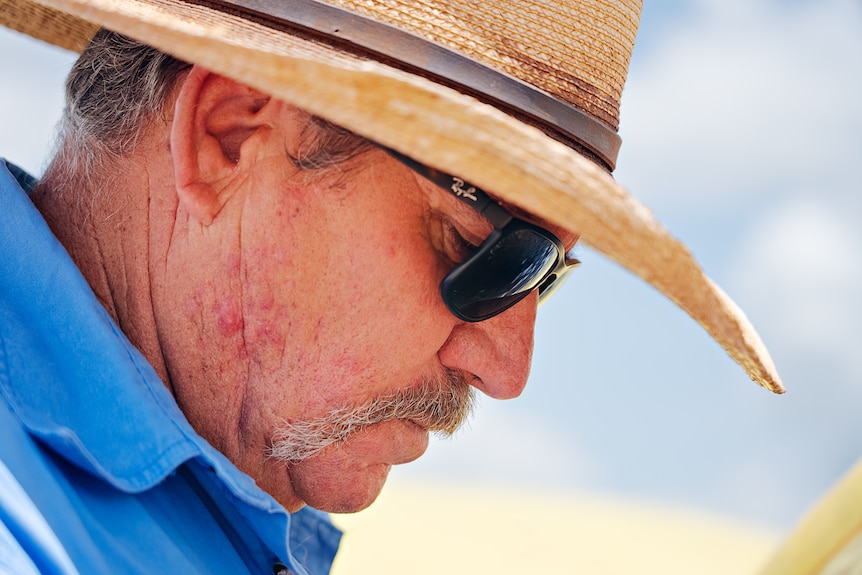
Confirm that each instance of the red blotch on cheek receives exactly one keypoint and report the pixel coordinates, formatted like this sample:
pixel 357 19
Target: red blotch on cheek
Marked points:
pixel 228 317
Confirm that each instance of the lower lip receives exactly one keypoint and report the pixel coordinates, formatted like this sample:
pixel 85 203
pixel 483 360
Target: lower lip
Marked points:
pixel 414 424
pixel 415 444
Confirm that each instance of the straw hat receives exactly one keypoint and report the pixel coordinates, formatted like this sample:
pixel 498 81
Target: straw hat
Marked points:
pixel 519 97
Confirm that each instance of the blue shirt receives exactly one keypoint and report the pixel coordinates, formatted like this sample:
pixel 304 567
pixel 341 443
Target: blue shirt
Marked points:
pixel 100 472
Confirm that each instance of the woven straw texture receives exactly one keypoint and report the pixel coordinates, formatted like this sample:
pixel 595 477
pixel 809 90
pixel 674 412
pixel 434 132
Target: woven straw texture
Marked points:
pixel 576 51
pixel 48 24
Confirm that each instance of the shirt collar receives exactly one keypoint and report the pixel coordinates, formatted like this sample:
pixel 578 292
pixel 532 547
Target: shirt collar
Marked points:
pixel 70 374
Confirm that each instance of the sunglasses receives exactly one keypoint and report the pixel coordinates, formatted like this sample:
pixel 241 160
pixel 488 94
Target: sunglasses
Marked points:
pixel 515 259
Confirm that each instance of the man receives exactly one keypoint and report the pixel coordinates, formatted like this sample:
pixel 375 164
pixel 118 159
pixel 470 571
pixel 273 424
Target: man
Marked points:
pixel 255 291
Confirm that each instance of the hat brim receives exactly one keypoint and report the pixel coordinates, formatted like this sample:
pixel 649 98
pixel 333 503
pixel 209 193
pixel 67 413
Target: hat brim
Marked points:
pixel 440 127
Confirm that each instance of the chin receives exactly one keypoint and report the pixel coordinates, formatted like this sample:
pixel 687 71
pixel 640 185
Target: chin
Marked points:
pixel 338 491
pixel 348 477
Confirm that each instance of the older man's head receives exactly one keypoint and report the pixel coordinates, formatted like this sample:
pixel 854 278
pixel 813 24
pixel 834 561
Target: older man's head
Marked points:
pixel 281 274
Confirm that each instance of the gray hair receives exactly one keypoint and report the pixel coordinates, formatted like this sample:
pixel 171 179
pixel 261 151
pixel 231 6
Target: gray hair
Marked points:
pixel 116 90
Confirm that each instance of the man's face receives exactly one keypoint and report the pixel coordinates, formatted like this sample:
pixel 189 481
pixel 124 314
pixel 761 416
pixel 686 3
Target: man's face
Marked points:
pixel 317 290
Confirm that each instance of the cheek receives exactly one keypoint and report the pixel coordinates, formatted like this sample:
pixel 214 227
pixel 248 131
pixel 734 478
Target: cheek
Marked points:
pixel 382 293
pixel 358 325
pixel 265 315
pixel 340 304
pixel 275 262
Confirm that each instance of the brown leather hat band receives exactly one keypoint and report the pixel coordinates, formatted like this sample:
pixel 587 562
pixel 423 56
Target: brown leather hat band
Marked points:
pixel 370 38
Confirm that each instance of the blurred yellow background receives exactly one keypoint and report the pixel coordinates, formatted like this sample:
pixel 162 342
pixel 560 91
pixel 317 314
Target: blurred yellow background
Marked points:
pixel 418 528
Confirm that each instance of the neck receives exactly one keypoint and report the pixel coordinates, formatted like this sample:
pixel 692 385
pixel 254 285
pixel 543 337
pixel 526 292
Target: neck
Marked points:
pixel 106 236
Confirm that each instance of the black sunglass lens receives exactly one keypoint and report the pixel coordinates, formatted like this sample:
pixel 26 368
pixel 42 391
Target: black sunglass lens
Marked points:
pixel 498 276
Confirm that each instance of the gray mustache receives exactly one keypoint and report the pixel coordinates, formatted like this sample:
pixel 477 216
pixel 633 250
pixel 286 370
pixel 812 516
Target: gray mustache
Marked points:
pixel 440 405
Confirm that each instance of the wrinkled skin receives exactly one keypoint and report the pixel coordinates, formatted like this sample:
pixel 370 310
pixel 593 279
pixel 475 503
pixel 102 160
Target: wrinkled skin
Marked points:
pixel 263 292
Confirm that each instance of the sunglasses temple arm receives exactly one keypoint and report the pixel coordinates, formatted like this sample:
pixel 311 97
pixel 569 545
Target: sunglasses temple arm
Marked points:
pixel 495 213
pixel 467 193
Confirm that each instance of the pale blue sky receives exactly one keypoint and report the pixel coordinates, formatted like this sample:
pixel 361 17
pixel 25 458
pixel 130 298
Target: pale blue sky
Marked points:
pixel 741 128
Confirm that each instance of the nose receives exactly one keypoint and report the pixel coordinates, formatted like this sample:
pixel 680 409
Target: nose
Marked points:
pixel 498 351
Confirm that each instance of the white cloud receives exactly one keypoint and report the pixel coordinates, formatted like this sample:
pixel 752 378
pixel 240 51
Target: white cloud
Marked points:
pixel 506 444
pixel 801 269
pixel 742 98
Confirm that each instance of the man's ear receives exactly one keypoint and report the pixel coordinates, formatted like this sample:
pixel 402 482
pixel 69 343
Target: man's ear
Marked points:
pixel 213 117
